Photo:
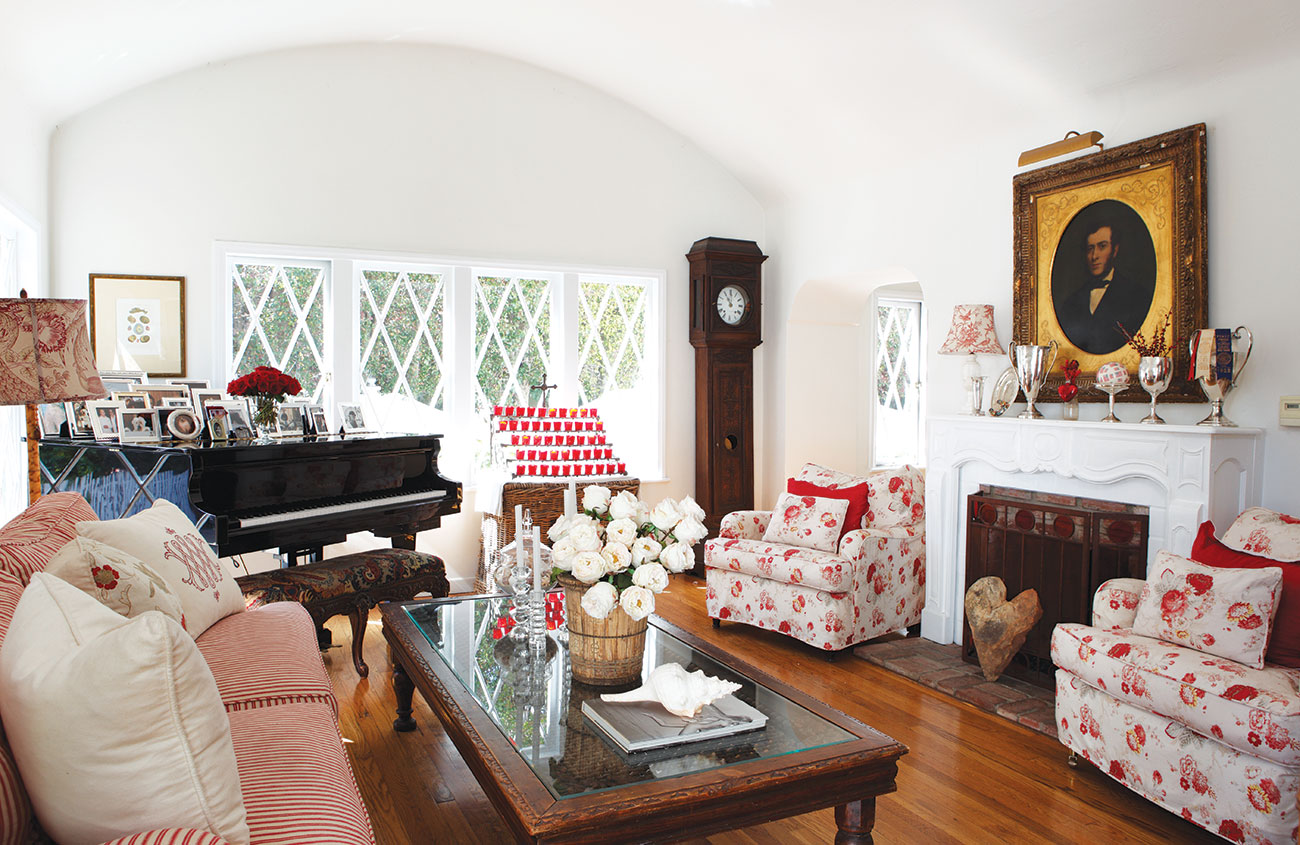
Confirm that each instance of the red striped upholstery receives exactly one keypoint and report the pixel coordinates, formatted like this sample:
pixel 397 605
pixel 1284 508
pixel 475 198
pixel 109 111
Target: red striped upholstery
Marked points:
pixel 267 656
pixel 297 782
pixel 30 539
pixel 171 836
pixel 15 808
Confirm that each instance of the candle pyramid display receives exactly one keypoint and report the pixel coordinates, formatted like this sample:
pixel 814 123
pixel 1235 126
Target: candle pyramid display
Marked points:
pixel 554 442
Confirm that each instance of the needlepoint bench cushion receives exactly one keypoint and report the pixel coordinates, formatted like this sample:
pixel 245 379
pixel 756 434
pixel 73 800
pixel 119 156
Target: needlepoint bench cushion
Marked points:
pixel 349 584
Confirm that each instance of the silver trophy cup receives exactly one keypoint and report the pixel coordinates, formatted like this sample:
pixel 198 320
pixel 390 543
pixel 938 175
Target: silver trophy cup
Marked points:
pixel 1216 390
pixel 1032 366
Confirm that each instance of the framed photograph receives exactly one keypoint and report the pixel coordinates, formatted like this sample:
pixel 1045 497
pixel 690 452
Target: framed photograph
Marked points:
pixel 1110 240
pixel 218 428
pixel 354 421
pixel 136 426
pixel 103 418
pixel 133 399
pixel 238 421
pixel 50 418
pixel 318 424
pixel 200 399
pixel 289 419
pixel 190 383
pixel 183 424
pixel 79 419
pixel 121 382
pixel 138 322
pixel 158 392
pixel 177 402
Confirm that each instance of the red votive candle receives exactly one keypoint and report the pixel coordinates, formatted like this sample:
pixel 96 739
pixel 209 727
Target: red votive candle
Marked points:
pixel 622 468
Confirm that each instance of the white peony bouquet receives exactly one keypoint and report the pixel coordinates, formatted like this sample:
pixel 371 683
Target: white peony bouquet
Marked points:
pixel 625 549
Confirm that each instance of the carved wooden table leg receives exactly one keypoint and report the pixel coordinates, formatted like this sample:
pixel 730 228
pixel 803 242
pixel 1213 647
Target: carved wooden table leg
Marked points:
pixel 405 692
pixel 855 821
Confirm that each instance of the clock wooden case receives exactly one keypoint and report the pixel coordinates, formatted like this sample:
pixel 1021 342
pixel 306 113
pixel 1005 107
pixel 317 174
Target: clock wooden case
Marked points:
pixel 726 325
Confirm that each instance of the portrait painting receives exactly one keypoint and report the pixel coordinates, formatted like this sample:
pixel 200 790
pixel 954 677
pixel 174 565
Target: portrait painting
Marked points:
pixel 1113 245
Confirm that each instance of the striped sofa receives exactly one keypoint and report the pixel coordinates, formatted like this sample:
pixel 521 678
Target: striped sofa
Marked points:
pixel 296 780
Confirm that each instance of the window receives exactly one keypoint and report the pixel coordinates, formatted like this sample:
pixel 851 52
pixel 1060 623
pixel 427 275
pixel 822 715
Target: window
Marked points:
pixel 433 345
pixel 897 362
pixel 17 270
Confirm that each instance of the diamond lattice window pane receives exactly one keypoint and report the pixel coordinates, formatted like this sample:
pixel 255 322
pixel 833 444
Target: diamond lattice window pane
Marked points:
pixel 611 336
pixel 278 320
pixel 512 339
pixel 401 322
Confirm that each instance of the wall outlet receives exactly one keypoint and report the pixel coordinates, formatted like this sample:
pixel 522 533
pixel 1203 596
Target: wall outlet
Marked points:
pixel 1288 411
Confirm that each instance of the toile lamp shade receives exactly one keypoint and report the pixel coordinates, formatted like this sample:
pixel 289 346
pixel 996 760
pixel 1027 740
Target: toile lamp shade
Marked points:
pixel 972 332
pixel 45 353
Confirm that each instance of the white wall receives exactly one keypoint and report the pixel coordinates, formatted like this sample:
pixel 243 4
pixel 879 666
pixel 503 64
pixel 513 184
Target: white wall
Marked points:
pixel 948 219
pixel 421 149
pixel 24 151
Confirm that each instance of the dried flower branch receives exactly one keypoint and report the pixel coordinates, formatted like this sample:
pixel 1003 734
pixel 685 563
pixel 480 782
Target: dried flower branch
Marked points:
pixel 1156 347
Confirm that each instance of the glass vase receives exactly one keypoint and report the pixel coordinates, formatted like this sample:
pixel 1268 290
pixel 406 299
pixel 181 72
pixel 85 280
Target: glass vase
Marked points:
pixel 265 410
pixel 1070 410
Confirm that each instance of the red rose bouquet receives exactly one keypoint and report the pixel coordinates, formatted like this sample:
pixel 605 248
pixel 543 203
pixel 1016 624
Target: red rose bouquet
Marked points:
pixel 267 386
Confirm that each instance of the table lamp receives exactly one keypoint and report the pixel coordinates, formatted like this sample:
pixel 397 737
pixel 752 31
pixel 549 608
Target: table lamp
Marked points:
pixel 45 356
pixel 972 333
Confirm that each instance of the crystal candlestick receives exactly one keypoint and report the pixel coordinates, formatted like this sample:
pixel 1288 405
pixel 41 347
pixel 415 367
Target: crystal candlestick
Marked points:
pixel 521 579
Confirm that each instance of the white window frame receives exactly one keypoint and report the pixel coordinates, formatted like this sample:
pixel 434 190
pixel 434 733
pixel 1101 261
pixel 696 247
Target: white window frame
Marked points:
pixel 344 309
pixel 882 295
pixel 28 273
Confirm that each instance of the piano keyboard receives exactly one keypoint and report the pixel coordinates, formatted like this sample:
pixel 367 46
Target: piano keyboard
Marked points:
pixel 341 508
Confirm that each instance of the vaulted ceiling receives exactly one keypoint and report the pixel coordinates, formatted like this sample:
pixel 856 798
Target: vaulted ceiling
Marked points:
pixel 781 91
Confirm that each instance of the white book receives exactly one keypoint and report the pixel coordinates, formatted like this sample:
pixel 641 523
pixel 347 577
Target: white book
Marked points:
pixel 641 725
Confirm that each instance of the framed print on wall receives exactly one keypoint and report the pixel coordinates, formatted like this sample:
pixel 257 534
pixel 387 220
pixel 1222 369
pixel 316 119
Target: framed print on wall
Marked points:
pixel 138 322
pixel 1118 237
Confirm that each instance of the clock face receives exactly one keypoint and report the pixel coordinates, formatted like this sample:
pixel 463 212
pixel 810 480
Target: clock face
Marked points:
pixel 733 305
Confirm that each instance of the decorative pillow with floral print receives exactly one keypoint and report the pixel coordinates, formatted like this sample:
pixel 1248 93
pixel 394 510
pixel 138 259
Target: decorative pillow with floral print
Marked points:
pixel 1227 612
pixel 120 581
pixel 895 497
pixel 1266 533
pixel 812 522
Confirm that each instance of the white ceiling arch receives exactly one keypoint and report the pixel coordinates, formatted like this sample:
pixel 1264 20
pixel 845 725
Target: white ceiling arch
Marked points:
pixel 786 93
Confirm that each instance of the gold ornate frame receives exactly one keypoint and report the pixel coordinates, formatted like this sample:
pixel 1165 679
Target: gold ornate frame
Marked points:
pixel 1162 179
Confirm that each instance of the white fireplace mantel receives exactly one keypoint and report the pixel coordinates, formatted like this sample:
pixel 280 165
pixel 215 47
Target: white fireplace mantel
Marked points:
pixel 1184 474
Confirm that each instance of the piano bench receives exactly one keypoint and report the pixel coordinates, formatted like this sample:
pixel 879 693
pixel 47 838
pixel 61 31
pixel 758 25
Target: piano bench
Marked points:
pixel 351 584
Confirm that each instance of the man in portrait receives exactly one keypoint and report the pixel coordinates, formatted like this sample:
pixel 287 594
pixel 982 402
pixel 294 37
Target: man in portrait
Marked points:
pixel 1091 315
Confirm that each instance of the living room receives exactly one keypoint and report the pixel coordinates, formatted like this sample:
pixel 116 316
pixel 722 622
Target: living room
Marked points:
pixel 864 148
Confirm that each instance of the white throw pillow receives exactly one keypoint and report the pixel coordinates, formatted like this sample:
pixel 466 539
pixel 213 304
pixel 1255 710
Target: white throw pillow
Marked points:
pixel 165 539
pixel 121 582
pixel 1227 612
pixel 813 522
pixel 116 724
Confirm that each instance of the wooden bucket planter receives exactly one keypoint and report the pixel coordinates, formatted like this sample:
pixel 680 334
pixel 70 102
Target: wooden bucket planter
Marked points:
pixel 602 652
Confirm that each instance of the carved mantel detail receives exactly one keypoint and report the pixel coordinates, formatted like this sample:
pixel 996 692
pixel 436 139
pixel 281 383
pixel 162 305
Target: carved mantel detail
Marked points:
pixel 1183 474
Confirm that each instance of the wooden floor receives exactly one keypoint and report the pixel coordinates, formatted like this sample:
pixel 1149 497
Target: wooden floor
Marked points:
pixel 969 777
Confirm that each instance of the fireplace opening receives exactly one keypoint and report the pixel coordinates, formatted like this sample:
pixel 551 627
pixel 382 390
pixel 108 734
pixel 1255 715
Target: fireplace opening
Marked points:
pixel 1064 547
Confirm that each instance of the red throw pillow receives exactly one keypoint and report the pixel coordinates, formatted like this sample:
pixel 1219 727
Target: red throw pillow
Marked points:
pixel 1284 647
pixel 856 496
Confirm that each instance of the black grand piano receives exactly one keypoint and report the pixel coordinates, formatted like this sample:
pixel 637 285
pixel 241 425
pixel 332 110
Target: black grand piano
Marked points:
pixel 296 495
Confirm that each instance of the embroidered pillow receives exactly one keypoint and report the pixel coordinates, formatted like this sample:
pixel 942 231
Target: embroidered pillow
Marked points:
pixel 1284 645
pixel 1226 612
pixel 1263 532
pixel 30 539
pixel 856 496
pixel 895 497
pixel 810 521
pixel 164 539
pixel 116 724
pixel 121 582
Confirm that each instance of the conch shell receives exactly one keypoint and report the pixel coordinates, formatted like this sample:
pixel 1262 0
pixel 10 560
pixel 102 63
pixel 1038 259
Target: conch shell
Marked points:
pixel 681 693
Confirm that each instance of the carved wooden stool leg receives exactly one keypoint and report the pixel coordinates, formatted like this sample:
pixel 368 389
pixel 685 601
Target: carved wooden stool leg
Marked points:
pixel 855 821
pixel 717 623
pixel 1072 761
pixel 358 616
pixel 405 692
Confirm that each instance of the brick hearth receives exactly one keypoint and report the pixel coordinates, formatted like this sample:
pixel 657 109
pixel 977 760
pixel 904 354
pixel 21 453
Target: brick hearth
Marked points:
pixel 940 667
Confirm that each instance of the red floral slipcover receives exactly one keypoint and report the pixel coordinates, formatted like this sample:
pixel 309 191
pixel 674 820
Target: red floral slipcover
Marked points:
pixel 1266 533
pixel 1239 796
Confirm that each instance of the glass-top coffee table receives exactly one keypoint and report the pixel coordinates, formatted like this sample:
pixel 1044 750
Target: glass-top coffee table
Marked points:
pixel 517 720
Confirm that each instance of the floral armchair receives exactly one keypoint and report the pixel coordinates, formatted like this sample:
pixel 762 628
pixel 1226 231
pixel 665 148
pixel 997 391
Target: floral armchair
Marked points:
pixel 871 583
pixel 1213 739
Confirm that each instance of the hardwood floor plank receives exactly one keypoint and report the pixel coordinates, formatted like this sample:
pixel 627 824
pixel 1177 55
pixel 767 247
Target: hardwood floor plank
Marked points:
pixel 969 776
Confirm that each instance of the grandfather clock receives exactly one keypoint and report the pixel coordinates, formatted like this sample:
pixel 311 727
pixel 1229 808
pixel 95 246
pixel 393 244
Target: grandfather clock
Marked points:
pixel 726 325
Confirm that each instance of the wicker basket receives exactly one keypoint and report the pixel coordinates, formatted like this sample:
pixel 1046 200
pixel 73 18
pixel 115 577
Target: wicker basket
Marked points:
pixel 603 652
